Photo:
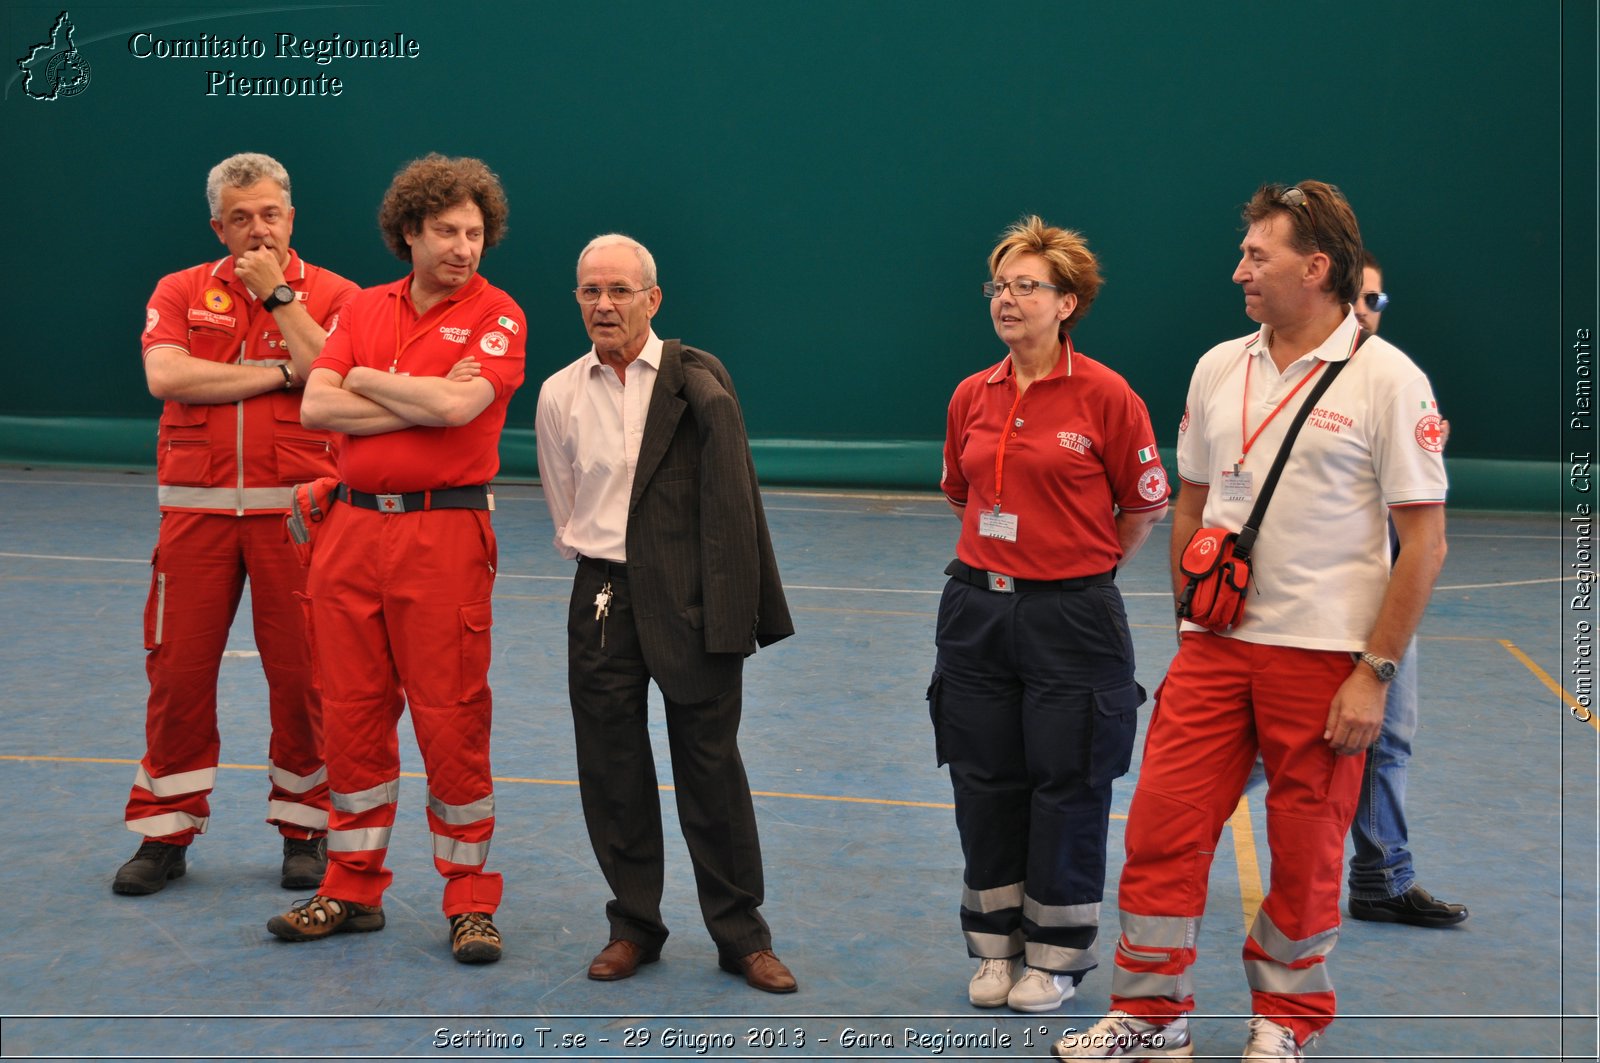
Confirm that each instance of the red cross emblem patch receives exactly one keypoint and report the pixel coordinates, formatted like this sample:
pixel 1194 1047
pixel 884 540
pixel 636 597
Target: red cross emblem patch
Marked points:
pixel 1430 433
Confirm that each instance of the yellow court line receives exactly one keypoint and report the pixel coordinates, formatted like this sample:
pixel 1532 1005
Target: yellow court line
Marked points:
pixel 1244 851
pixel 1556 688
pixel 890 802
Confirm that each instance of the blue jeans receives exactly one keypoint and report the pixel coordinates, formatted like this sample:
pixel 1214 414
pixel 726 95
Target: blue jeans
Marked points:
pixel 1381 867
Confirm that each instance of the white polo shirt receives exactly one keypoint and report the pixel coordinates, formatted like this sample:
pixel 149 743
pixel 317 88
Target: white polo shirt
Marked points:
pixel 1374 440
pixel 590 425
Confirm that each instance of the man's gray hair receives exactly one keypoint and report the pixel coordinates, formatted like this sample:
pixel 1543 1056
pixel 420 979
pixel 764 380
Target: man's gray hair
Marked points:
pixel 647 261
pixel 242 171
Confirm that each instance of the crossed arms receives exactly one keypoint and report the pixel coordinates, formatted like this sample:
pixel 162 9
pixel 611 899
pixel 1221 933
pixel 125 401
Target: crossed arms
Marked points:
pixel 368 401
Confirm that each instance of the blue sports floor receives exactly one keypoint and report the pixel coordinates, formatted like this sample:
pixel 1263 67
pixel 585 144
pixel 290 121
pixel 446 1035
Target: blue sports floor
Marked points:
pixel 863 865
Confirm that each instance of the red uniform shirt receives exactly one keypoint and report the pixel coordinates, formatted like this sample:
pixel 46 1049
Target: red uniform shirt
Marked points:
pixel 236 457
pixel 1077 448
pixel 381 330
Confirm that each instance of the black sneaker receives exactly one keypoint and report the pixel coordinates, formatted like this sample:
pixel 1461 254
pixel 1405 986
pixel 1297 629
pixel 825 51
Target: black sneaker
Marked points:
pixel 152 867
pixel 473 938
pixel 304 861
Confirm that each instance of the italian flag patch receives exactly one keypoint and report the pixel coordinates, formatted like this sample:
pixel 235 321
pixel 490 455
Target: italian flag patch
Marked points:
pixel 1147 454
pixel 1429 404
pixel 507 323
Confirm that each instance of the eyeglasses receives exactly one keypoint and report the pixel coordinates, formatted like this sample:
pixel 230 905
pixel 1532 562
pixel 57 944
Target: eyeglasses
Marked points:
pixel 1021 287
pixel 619 294
pixel 1377 302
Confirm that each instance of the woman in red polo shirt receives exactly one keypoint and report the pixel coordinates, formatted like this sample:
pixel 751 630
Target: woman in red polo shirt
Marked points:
pixel 1051 462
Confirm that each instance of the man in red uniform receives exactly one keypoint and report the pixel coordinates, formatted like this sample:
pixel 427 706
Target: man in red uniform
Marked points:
pixel 417 374
pixel 227 345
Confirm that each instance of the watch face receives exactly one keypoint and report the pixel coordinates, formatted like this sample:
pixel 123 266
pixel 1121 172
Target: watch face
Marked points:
pixel 1386 670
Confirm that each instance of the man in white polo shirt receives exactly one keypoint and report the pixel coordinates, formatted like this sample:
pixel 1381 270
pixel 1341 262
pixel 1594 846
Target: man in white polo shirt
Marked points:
pixel 1303 677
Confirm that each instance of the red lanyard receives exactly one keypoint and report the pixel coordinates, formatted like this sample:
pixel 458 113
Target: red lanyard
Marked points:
pixel 1007 430
pixel 1244 424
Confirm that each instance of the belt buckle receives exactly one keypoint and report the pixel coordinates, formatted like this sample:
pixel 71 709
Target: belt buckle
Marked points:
pixel 999 581
pixel 391 503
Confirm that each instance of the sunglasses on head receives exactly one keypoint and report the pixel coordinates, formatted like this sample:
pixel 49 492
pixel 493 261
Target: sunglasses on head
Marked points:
pixel 1376 302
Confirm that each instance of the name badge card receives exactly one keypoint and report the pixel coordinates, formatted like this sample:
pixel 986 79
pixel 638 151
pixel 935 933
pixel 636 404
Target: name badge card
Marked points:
pixel 993 524
pixel 1238 486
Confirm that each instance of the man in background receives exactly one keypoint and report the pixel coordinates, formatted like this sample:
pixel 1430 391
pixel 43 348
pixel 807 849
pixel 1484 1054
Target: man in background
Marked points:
pixel 1383 886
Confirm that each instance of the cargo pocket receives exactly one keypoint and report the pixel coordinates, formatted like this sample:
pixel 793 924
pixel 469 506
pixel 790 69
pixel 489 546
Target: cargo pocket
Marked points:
pixel 300 453
pixel 477 618
pixel 301 458
pixel 155 607
pixel 1116 720
pixel 184 455
pixel 934 689
pixel 304 601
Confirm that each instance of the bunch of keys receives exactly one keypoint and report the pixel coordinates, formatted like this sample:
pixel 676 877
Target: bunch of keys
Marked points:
pixel 602 609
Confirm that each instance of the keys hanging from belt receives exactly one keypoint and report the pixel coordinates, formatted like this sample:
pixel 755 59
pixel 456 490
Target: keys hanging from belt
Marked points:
pixel 602 609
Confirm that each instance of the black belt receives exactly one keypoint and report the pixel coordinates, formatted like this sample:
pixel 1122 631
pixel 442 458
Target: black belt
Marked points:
pixel 999 581
pixel 608 569
pixel 478 496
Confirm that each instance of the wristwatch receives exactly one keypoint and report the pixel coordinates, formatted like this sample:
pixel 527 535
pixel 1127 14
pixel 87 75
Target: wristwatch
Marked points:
pixel 282 295
pixel 1384 668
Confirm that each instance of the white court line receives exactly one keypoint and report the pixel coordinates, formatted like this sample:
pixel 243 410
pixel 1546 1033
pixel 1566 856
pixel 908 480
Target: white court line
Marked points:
pixel 859 512
pixel 68 557
pixel 803 586
pixel 859 590
pixel 1503 583
pixel 145 485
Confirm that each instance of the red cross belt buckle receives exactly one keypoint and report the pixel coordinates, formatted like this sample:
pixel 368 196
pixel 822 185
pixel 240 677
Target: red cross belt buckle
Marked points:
pixel 999 581
pixel 391 503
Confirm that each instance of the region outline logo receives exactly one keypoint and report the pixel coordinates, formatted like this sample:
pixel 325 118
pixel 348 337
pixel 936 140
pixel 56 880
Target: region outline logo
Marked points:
pixel 55 69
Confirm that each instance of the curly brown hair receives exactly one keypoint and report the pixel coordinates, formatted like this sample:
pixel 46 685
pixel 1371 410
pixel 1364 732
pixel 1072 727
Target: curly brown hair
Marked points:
pixel 432 185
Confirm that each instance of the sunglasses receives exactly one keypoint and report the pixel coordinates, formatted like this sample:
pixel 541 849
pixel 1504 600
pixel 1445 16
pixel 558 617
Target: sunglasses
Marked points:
pixel 1376 302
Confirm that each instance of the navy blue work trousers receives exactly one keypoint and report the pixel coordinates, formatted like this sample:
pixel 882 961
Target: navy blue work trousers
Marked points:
pixel 1034 708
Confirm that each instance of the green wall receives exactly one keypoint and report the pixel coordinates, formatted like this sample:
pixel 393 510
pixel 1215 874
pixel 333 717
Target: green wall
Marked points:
pixel 821 183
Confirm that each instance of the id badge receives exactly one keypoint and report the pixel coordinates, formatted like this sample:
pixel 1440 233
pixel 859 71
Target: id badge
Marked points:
pixel 993 524
pixel 1238 486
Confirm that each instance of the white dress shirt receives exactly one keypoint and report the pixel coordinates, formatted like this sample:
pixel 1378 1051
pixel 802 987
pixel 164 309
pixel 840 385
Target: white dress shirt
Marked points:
pixel 590 424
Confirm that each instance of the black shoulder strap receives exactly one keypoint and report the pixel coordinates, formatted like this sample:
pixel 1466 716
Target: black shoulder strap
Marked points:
pixel 1247 535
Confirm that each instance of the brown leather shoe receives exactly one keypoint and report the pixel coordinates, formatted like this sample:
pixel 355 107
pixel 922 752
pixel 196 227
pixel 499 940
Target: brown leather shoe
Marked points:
pixel 762 970
pixel 621 959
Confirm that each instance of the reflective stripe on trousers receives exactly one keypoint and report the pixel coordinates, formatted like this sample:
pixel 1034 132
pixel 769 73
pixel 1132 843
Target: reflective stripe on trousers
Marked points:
pixel 1153 957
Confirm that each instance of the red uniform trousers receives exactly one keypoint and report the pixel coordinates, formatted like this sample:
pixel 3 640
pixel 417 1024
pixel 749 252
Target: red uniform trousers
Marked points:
pixel 400 610
pixel 1221 700
pixel 198 573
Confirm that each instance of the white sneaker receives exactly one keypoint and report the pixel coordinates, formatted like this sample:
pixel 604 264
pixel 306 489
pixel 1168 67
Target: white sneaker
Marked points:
pixel 1271 1043
pixel 991 984
pixel 1122 1036
pixel 1040 990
